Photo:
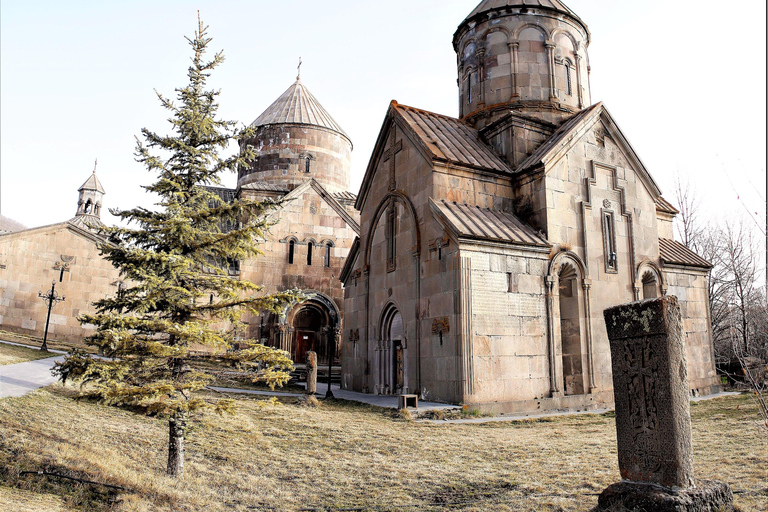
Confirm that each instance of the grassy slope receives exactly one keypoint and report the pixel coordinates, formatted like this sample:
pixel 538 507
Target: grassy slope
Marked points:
pixel 288 457
pixel 12 354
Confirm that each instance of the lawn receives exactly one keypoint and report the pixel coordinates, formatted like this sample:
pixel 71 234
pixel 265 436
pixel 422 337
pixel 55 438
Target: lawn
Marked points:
pixel 341 456
pixel 12 354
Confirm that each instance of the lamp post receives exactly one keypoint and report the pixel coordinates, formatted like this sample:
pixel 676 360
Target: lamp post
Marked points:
pixel 331 346
pixel 50 298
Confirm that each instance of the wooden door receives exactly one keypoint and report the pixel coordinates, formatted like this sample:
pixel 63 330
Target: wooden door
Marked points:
pixel 305 341
pixel 399 366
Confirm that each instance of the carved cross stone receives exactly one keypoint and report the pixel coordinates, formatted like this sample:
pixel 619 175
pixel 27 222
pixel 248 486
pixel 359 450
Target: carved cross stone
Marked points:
pixel 653 420
pixel 389 154
pixel 650 386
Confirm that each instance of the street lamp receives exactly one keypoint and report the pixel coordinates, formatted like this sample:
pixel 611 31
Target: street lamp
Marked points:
pixel 331 346
pixel 50 298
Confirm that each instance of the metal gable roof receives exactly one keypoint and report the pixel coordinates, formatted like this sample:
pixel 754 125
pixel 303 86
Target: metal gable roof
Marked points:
pixel 486 224
pixel 449 139
pixel 675 253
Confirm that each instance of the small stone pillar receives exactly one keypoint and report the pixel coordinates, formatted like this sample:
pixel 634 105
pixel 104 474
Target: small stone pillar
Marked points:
pixel 653 420
pixel 311 373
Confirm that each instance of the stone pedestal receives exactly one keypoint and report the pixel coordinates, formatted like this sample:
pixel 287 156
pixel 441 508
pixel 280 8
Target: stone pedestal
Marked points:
pixel 653 421
pixel 706 496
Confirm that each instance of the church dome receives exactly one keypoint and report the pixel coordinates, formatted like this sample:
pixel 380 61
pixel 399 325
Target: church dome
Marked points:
pixel 296 139
pixel 524 55
pixel 298 106
pixel 493 5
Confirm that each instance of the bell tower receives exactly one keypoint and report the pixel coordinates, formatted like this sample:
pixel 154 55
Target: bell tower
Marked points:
pixel 91 194
pixel 528 56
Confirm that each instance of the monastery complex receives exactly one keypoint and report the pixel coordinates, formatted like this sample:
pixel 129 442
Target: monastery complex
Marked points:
pixel 473 265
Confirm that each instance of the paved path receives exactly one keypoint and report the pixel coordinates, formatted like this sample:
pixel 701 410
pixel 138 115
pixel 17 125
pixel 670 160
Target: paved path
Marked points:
pixel 389 402
pixel 21 378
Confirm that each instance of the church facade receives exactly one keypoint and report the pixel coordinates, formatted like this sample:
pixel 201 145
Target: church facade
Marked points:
pixel 490 244
pixel 66 255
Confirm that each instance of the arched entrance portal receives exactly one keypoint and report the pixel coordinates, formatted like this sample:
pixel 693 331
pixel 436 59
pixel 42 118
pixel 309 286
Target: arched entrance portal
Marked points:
pixel 309 326
pixel 391 374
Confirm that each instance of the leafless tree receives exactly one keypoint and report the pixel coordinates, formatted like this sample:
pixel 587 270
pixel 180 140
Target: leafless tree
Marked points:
pixel 688 226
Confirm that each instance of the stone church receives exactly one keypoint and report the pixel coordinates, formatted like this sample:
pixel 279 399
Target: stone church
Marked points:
pixel 66 254
pixel 491 243
pixel 303 158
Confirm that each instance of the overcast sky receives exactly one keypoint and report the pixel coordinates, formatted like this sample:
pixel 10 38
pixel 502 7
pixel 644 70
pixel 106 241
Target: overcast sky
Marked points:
pixel 685 80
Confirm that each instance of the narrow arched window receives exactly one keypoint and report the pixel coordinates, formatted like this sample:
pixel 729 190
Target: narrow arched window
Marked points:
pixel 568 82
pixel 310 245
pixel 307 163
pixel 328 254
pixel 291 251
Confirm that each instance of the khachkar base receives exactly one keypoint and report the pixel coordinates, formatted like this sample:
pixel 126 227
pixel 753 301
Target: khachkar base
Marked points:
pixel 653 419
pixel 706 496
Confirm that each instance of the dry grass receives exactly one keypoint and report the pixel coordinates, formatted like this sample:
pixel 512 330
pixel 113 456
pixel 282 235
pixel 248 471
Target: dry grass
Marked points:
pixel 342 455
pixel 12 354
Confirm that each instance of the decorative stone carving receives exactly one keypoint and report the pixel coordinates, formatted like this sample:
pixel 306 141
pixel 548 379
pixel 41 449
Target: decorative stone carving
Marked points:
pixel 389 155
pixel 653 422
pixel 441 325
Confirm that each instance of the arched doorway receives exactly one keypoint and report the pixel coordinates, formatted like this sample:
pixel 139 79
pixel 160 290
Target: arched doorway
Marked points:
pixel 312 325
pixel 308 327
pixel 392 353
pixel 570 331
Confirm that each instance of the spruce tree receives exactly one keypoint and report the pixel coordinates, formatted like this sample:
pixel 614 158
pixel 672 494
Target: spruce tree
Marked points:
pixel 176 298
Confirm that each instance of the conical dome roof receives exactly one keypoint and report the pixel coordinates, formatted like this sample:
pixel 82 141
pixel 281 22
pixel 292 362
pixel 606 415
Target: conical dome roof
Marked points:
pixel 489 5
pixel 553 5
pixel 92 183
pixel 298 106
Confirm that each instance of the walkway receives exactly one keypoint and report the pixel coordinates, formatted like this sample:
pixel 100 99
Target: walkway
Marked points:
pixel 21 378
pixel 388 402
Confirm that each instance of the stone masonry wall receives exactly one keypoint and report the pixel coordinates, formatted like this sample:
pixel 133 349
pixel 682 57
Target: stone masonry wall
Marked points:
pixel 689 285
pixel 509 324
pixel 29 257
pixel 282 152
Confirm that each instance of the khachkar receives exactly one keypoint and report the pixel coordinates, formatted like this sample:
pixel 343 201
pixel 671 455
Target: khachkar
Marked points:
pixel 653 419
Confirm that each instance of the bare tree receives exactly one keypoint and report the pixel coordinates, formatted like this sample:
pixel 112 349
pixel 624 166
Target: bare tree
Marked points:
pixel 688 226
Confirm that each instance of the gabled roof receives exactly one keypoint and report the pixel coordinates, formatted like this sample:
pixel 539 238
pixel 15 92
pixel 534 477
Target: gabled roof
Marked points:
pixel 345 197
pixel 572 131
pixel 349 263
pixel 675 253
pixel 92 183
pixel 298 106
pixel 439 138
pixel 662 205
pixel 262 186
pixel 450 140
pixel 327 197
pixel 87 222
pixel 473 222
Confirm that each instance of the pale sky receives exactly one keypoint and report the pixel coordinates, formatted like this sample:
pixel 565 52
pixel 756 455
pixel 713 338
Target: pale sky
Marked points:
pixel 685 80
